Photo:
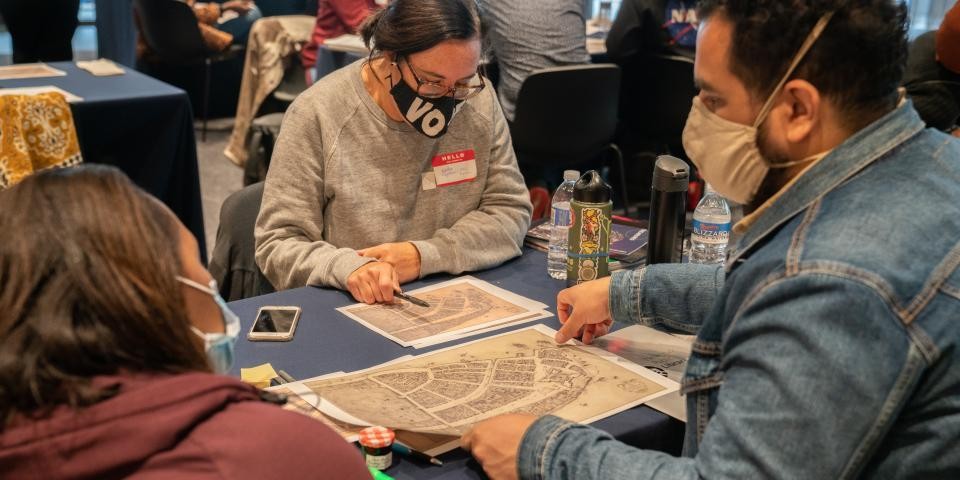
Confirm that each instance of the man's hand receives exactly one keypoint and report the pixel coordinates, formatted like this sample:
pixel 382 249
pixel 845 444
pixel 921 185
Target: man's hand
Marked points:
pixel 956 132
pixel 373 282
pixel 404 257
pixel 496 442
pixel 590 306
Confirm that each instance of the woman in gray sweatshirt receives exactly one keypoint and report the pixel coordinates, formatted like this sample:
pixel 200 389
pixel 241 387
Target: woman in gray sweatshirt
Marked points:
pixel 397 166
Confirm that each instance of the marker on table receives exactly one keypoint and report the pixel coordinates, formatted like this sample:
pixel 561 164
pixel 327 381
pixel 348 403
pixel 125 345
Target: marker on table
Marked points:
pixel 378 475
pixel 285 376
pixel 409 452
pixel 411 299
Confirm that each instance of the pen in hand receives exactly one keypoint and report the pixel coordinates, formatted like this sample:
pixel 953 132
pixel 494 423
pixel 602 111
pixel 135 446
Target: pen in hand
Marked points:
pixel 411 299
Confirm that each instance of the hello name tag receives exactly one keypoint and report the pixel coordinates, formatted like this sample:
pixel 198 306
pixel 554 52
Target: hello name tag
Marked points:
pixel 455 168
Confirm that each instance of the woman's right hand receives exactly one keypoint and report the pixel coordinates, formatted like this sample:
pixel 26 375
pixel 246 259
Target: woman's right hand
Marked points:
pixel 374 282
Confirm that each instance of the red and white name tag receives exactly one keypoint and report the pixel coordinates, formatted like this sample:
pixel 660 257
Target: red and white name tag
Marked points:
pixel 455 168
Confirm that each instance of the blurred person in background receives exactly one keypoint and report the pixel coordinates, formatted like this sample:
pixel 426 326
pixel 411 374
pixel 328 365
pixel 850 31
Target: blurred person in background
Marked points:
pixel 42 30
pixel 933 74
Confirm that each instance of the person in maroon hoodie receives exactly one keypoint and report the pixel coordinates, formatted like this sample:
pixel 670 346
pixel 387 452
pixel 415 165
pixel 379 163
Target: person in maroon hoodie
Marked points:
pixel 108 332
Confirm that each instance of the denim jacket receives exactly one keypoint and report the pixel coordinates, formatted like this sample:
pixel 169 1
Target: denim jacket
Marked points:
pixel 828 346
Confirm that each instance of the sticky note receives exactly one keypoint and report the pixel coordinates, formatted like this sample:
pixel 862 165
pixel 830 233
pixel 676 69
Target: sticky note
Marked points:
pixel 258 376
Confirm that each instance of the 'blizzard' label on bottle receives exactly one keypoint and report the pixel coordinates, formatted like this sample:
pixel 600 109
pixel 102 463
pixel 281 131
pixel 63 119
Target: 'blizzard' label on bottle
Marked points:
pixel 710 233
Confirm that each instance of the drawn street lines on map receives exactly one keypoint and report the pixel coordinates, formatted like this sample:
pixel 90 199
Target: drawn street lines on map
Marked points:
pixel 302 400
pixel 458 308
pixel 522 371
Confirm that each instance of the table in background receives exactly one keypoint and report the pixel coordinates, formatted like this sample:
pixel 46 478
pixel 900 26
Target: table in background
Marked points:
pixel 327 341
pixel 140 125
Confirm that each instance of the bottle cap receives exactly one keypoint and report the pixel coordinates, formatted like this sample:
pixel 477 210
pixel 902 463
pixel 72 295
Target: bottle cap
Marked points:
pixel 376 437
pixel 571 175
pixel 592 189
pixel 670 174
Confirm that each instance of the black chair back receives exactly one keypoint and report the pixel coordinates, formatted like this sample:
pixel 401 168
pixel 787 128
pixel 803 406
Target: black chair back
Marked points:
pixel 170 29
pixel 233 263
pixel 656 97
pixel 566 114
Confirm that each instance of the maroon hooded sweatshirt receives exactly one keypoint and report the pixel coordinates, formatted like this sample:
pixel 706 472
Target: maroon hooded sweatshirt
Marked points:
pixel 187 426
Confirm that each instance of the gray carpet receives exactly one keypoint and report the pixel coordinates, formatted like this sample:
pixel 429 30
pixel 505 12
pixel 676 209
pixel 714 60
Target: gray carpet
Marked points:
pixel 219 177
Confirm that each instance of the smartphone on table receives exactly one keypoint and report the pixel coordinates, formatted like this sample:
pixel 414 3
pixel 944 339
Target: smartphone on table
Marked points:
pixel 275 324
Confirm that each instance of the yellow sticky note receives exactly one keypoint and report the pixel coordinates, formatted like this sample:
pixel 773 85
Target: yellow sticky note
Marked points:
pixel 258 376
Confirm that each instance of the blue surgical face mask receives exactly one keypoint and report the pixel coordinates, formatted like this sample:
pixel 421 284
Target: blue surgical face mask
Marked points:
pixel 219 346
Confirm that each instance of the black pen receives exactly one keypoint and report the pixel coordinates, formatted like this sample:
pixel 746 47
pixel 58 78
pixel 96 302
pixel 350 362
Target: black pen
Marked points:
pixel 405 450
pixel 411 299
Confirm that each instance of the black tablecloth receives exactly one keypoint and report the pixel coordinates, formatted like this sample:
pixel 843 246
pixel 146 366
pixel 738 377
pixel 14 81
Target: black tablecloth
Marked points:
pixel 142 126
pixel 327 341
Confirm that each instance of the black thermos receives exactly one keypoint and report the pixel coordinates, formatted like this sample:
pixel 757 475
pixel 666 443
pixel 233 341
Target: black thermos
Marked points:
pixel 668 210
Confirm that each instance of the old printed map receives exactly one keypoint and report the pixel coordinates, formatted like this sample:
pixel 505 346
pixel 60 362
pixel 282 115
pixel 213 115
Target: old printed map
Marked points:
pixel 455 307
pixel 522 371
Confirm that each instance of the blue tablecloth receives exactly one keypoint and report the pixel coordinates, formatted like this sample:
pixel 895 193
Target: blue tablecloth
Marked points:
pixel 142 126
pixel 327 341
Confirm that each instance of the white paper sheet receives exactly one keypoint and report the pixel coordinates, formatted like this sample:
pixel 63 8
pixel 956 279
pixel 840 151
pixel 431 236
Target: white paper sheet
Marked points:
pixel 29 70
pixel 71 98
pixel 661 352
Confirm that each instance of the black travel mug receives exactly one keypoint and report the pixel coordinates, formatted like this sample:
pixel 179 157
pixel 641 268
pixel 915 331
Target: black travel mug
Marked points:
pixel 668 210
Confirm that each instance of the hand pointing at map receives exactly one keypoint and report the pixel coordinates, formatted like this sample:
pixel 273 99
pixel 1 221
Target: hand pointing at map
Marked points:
pixel 397 263
pixel 584 311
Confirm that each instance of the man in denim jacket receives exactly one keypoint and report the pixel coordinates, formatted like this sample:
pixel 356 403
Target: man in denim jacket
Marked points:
pixel 828 346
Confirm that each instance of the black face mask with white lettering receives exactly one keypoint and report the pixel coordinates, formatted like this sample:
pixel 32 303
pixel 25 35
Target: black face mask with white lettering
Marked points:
pixel 430 116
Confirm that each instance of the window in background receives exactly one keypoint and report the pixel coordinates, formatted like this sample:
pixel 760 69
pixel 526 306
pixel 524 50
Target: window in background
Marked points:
pixel 593 6
pixel 926 15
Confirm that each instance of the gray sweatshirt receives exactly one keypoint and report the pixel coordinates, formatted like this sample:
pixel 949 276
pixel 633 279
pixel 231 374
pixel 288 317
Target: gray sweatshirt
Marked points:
pixel 344 177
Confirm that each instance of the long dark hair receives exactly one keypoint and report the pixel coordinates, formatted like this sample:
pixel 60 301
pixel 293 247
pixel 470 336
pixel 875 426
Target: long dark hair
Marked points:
pixel 406 27
pixel 87 268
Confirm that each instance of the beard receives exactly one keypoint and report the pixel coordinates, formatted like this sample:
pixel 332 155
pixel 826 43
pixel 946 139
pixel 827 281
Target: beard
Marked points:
pixel 776 178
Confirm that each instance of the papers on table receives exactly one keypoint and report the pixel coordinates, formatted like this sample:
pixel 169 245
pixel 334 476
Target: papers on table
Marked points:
pixel 443 393
pixel 29 70
pixel 71 98
pixel 458 308
pixel 346 43
pixel 661 352
pixel 101 67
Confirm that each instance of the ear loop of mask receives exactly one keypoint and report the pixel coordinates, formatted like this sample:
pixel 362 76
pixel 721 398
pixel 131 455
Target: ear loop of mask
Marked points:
pixel 801 54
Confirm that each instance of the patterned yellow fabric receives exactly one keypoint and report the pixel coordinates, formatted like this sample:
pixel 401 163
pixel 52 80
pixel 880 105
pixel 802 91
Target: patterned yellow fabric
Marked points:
pixel 36 132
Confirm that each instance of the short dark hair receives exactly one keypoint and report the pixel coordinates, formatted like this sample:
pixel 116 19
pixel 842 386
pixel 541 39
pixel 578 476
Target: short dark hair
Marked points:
pixel 406 27
pixel 88 266
pixel 858 61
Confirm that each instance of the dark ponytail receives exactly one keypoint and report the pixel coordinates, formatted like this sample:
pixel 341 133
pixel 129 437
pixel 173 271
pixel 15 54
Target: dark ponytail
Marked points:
pixel 406 27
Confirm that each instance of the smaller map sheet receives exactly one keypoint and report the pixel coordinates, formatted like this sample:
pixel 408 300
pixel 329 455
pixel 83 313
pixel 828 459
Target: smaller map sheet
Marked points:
pixel 458 308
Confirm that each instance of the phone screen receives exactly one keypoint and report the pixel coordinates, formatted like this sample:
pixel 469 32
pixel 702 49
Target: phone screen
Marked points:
pixel 275 320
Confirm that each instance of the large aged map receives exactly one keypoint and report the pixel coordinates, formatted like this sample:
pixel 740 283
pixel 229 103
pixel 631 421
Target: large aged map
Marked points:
pixel 456 306
pixel 522 371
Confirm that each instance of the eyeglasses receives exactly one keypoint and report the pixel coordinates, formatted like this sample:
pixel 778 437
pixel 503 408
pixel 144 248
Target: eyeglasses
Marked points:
pixel 431 89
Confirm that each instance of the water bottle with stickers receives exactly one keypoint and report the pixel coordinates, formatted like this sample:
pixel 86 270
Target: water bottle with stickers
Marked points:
pixel 560 225
pixel 711 229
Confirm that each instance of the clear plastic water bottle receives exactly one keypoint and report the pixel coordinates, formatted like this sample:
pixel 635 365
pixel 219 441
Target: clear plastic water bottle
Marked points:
pixel 560 225
pixel 711 229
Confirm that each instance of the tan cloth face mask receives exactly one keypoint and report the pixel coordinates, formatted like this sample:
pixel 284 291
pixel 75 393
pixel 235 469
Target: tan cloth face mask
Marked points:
pixel 725 152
